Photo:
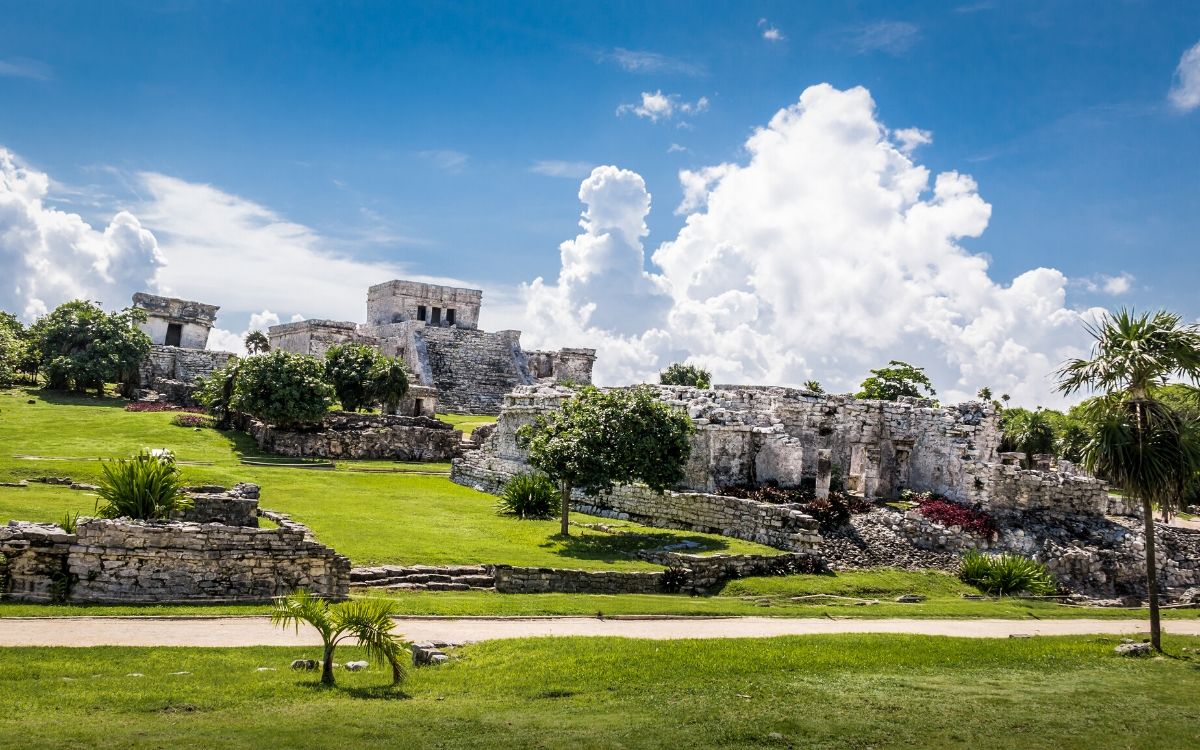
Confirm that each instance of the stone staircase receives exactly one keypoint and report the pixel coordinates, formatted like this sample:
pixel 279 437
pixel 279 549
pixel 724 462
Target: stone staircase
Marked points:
pixel 426 577
pixel 473 370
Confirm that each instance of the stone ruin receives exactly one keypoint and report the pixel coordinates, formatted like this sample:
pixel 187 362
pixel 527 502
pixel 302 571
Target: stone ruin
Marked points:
pixel 345 435
pixel 215 553
pixel 178 331
pixel 795 438
pixel 435 329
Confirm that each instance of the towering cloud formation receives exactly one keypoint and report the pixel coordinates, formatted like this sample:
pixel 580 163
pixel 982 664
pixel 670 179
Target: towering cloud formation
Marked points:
pixel 829 252
pixel 47 255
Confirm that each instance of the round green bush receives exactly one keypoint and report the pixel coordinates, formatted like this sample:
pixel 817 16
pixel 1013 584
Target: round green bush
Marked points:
pixel 282 389
pixel 530 496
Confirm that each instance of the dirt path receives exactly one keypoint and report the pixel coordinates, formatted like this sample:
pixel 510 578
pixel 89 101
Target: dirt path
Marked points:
pixel 257 631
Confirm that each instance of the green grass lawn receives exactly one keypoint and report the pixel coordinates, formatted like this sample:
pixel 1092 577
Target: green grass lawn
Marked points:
pixel 467 422
pixel 862 691
pixel 372 511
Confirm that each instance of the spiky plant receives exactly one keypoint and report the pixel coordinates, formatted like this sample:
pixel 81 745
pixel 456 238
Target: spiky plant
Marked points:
pixel 369 621
pixel 147 486
pixel 1140 443
pixel 529 495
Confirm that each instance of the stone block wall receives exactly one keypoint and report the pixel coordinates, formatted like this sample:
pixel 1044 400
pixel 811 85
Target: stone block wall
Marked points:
pixel 362 436
pixel 234 507
pixel 124 561
pixel 1005 489
pixel 473 370
pixel 35 566
pixel 398 301
pixel 194 318
pixel 315 337
pixel 172 371
pixel 514 580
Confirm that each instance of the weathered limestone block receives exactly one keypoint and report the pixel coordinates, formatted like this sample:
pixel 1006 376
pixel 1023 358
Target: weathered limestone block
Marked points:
pixel 362 436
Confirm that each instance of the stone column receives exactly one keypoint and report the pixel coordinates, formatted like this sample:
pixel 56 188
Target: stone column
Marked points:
pixel 824 472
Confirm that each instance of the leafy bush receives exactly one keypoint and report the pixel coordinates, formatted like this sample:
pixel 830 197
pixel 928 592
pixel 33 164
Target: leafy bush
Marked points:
pixel 1028 432
pixel 192 420
pixel 896 380
pixel 1006 574
pixel 530 496
pixel 348 369
pixel 387 383
pixel 82 347
pixel 146 487
pixel 681 374
pixel 949 513
pixel 280 388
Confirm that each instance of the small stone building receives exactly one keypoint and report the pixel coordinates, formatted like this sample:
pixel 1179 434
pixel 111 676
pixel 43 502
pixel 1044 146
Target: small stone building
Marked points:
pixel 435 330
pixel 176 322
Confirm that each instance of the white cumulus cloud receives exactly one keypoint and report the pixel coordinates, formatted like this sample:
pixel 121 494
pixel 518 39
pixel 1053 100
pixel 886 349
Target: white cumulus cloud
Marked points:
pixel 655 106
pixel 1185 91
pixel 48 256
pixel 910 138
pixel 770 32
pixel 828 252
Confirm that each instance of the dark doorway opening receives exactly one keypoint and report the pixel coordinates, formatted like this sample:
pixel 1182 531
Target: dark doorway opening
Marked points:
pixel 420 312
pixel 437 316
pixel 417 406
pixel 174 334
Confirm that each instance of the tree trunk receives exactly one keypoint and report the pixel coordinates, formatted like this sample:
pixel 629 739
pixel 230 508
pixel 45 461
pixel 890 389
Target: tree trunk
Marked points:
pixel 327 666
pixel 1151 576
pixel 564 489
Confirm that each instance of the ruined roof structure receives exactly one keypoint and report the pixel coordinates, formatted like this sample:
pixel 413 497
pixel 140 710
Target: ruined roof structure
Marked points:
pixel 176 322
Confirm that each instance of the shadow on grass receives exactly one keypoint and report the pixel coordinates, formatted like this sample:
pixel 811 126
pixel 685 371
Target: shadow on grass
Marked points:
pixel 373 692
pixel 613 547
pixel 74 398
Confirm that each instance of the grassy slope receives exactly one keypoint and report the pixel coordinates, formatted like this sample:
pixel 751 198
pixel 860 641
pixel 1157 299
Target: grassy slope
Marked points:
pixel 817 691
pixel 373 517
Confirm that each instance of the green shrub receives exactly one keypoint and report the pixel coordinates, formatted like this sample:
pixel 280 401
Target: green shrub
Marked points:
pixel 387 383
pixel 681 374
pixel 1006 574
pixel 146 487
pixel 348 369
pixel 530 496
pixel 192 420
pixel 281 389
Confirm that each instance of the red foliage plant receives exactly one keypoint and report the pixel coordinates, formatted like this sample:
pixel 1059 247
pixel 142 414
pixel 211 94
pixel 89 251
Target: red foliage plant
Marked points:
pixel 162 406
pixel 949 513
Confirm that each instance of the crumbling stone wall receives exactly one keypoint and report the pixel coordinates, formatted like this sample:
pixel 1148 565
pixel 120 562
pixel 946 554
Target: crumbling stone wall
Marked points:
pixel 194 319
pixel 35 565
pixel 212 504
pixel 397 301
pixel 172 371
pixel 344 435
pixel 514 580
pixel 147 562
pixel 473 370
pixel 1006 489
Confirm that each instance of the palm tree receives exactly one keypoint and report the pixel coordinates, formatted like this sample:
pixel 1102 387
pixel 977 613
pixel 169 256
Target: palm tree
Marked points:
pixel 985 393
pixel 814 386
pixel 369 621
pixel 257 342
pixel 1139 442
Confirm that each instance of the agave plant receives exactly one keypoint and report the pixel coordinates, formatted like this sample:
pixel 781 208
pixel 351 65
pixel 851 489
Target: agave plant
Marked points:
pixel 147 487
pixel 1006 574
pixel 529 496
pixel 369 621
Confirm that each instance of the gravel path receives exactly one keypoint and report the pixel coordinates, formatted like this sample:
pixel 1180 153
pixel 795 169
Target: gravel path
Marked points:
pixel 257 631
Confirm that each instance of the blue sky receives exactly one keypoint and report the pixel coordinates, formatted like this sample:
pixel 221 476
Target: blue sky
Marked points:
pixel 412 134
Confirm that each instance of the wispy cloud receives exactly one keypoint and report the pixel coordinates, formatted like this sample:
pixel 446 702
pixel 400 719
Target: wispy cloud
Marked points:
pixel 447 160
pixel 1103 284
pixel 975 7
pixel 675 148
pixel 559 168
pixel 1185 91
pixel 890 37
pixel 20 67
pixel 656 105
pixel 770 32
pixel 910 138
pixel 641 61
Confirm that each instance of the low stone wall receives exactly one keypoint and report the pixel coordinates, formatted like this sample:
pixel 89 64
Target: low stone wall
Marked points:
pixel 34 568
pixel 172 371
pixel 513 580
pixel 1006 489
pixel 361 436
pixel 212 504
pixel 123 561
pixel 776 526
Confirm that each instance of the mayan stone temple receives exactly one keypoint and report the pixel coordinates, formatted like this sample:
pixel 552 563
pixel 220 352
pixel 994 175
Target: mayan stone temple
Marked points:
pixel 435 329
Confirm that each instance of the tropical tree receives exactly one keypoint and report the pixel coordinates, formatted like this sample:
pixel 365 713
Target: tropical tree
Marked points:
pixel 387 383
pixel 368 621
pixel 814 386
pixel 601 438
pixel 682 374
pixel 82 347
pixel 257 343
pixel 1029 432
pixel 1140 443
pixel 216 391
pixel 985 393
pixel 896 380
pixel 348 368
